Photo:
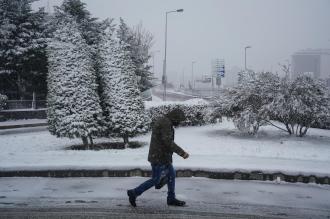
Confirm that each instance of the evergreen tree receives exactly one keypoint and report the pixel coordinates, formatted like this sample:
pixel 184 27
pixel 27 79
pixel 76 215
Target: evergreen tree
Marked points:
pixel 138 43
pixel 109 71
pixel 73 103
pixel 22 45
pixel 124 33
pixel 90 28
pixel 126 114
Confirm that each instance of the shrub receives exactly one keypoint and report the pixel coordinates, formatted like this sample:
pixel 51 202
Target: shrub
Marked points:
pixel 244 103
pixel 197 112
pixel 300 104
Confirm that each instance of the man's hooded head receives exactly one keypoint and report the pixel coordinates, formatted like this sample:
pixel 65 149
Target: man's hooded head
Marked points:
pixel 176 116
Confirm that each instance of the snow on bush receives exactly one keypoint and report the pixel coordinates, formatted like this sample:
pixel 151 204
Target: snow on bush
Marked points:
pixel 262 97
pixel 300 103
pixel 3 99
pixel 245 103
pixel 196 110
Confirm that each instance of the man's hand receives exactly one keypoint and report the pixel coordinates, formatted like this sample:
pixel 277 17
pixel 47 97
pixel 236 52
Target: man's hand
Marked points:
pixel 185 156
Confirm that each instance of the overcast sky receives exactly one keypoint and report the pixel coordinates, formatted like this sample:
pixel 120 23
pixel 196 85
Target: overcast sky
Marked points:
pixel 209 29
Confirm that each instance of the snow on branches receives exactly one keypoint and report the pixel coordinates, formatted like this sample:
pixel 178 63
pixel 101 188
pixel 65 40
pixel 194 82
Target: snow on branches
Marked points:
pixel 260 98
pixel 83 102
pixel 300 103
pixel 121 100
pixel 73 103
pixel 245 103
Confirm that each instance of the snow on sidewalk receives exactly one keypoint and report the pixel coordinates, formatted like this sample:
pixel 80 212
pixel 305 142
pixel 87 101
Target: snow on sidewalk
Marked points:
pixel 202 195
pixel 217 147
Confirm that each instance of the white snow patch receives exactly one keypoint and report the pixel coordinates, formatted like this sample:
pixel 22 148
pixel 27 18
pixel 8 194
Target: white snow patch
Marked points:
pixel 214 147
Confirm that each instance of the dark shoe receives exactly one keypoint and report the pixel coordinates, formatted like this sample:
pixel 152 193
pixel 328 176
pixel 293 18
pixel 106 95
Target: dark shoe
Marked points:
pixel 163 181
pixel 132 197
pixel 175 202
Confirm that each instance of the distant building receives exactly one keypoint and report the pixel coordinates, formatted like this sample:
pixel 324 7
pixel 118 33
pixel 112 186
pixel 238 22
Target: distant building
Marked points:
pixel 218 70
pixel 231 78
pixel 314 62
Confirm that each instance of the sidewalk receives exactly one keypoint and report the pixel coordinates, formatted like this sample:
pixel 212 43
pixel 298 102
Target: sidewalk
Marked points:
pixel 206 198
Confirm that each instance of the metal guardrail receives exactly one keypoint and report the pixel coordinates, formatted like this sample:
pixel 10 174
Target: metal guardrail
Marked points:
pixel 38 104
pixel 25 104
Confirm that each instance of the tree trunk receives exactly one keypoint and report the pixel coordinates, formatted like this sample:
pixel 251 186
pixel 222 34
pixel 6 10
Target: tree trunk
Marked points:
pixel 91 140
pixel 21 89
pixel 303 133
pixel 288 128
pixel 125 137
pixel 292 128
pixel 297 134
pixel 300 131
pixel 85 141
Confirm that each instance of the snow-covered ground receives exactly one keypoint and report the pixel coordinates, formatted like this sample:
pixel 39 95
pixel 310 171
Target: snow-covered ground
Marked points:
pixel 157 102
pixel 213 147
pixel 206 197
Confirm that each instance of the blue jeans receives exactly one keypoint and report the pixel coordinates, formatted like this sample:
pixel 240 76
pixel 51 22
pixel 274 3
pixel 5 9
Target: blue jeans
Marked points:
pixel 158 171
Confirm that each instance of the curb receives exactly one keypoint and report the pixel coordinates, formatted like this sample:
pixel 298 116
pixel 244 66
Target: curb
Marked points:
pixel 22 126
pixel 254 175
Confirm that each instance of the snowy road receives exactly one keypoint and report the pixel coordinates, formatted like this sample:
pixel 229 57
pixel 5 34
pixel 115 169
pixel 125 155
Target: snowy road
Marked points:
pixel 206 198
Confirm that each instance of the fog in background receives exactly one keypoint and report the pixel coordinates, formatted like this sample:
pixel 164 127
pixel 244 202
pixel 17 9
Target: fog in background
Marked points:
pixel 209 29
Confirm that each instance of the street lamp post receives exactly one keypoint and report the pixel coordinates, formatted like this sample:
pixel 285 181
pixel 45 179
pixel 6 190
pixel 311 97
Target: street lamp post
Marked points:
pixel 153 61
pixel 247 47
pixel 192 74
pixel 164 79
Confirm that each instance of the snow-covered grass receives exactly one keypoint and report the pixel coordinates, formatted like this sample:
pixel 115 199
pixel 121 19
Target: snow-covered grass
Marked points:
pixel 212 147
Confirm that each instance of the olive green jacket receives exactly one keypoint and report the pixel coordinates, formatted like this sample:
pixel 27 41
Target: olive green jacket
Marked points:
pixel 162 143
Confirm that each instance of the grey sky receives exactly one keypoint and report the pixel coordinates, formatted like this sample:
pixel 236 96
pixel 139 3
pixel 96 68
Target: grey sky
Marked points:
pixel 209 29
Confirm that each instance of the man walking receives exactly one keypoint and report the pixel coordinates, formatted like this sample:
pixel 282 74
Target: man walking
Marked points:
pixel 161 149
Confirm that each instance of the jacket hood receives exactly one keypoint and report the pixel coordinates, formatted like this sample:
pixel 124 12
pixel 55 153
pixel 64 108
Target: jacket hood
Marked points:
pixel 176 116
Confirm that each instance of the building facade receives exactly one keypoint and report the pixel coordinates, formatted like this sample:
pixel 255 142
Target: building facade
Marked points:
pixel 314 62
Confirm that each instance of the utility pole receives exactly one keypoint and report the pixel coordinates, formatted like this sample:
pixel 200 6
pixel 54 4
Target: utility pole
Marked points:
pixel 164 78
pixel 247 47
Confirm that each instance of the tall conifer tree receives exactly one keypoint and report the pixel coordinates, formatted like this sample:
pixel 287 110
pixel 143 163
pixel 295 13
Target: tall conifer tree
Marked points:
pixel 73 103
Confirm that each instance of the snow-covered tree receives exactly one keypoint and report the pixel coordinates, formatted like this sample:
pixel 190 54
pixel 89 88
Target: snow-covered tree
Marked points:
pixel 127 114
pixel 139 42
pixel 90 28
pixel 120 98
pixel 73 103
pixel 245 103
pixel 109 71
pixel 22 45
pixel 300 103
